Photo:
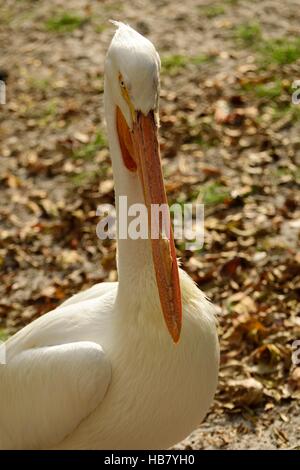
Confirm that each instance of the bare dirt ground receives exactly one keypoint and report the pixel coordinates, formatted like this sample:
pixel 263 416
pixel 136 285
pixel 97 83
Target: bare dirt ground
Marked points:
pixel 229 139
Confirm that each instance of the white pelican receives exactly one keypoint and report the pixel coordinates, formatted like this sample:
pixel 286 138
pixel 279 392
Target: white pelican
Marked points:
pixel 106 369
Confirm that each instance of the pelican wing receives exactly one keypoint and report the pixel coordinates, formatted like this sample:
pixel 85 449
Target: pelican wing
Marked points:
pixel 46 392
pixel 97 290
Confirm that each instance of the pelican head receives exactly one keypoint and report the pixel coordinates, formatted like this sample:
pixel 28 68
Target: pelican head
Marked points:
pixel 132 67
pixel 132 73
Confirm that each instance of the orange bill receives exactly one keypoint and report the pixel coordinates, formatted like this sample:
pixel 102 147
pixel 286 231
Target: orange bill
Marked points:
pixel 140 151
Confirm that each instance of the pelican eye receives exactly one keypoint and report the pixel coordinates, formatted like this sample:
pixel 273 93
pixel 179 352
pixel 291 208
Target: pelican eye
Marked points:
pixel 122 82
pixel 126 96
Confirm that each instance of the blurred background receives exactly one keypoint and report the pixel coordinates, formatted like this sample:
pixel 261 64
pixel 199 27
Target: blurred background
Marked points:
pixel 230 138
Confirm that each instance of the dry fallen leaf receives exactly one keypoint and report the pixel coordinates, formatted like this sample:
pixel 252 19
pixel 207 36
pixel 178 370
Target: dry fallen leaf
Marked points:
pixel 245 392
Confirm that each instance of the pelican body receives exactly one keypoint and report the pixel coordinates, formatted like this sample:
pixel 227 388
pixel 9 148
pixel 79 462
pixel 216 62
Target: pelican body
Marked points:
pixel 131 364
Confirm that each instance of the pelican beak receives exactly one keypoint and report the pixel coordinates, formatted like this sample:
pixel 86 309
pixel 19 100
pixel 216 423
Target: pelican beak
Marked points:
pixel 140 151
